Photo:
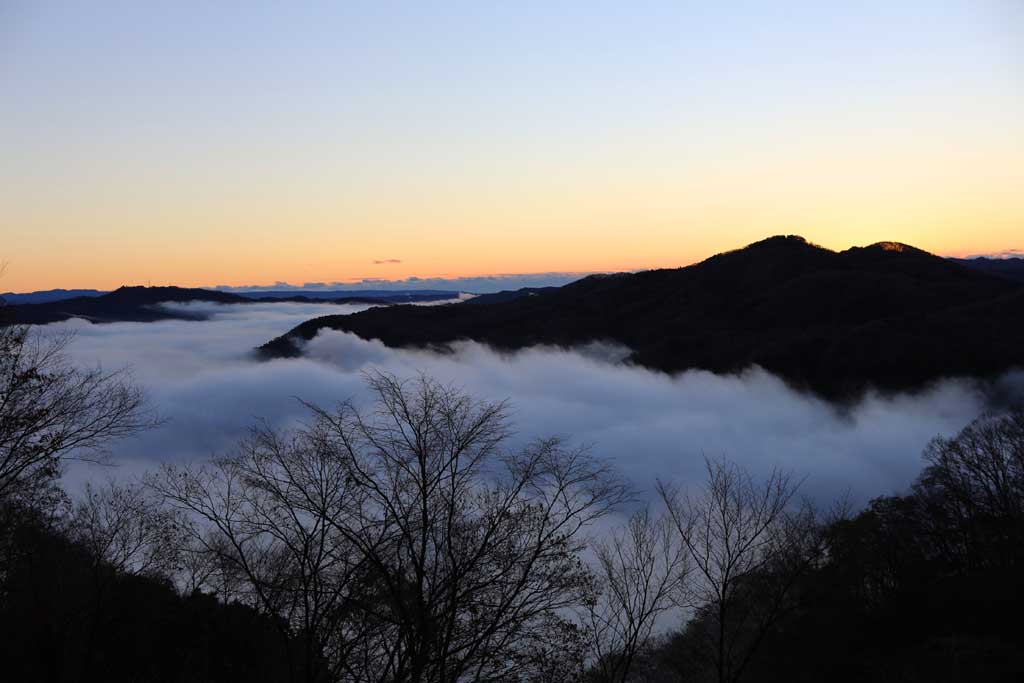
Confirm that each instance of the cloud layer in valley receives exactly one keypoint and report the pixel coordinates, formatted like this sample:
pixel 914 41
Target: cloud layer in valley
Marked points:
pixel 202 377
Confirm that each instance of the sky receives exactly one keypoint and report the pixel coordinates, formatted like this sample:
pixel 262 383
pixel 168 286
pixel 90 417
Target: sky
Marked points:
pixel 241 143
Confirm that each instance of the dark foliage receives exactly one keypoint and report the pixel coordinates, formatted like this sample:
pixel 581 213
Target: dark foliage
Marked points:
pixel 81 596
pixel 65 615
pixel 887 315
pixel 1009 268
pixel 923 587
pixel 926 586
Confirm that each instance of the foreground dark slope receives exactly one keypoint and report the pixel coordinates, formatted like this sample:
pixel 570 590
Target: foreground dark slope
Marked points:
pixel 886 315
pixel 141 304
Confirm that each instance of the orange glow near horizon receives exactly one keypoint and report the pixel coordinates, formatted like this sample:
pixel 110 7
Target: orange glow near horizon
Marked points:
pixel 181 270
pixel 629 210
pixel 199 146
pixel 106 259
pixel 83 237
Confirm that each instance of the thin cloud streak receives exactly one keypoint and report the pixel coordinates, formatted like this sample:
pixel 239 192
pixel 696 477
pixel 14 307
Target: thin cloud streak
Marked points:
pixel 1004 254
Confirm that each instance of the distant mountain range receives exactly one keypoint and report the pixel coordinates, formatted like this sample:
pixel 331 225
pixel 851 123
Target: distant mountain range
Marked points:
pixel 887 315
pixel 1009 268
pixel 335 294
pixel 51 295
pixel 141 304
pixel 48 296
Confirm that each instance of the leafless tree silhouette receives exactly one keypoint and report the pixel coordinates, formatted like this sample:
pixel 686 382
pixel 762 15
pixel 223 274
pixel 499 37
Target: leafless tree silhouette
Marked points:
pixel 747 548
pixel 407 543
pixel 641 568
pixel 51 410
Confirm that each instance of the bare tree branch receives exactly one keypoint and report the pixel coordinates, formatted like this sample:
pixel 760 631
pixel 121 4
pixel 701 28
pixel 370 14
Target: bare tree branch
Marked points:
pixel 406 543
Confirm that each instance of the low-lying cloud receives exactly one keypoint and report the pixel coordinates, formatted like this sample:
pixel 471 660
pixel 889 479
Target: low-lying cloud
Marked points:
pixel 202 377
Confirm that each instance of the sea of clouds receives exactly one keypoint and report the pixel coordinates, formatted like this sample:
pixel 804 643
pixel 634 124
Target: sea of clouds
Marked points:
pixel 203 379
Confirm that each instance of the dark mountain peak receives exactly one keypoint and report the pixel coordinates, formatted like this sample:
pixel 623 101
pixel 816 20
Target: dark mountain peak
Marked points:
pixel 136 304
pixel 897 247
pixel 781 242
pixel 772 252
pixel 139 294
pixel 142 304
pixel 777 245
pixel 886 315
pixel 795 244
pixel 890 249
pixel 896 259
pixel 149 291
pixel 761 264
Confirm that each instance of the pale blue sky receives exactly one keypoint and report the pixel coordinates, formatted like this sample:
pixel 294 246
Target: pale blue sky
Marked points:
pixel 435 129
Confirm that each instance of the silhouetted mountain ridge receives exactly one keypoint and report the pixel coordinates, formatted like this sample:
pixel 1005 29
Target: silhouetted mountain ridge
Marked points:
pixel 47 295
pixel 1010 268
pixel 886 315
pixel 142 304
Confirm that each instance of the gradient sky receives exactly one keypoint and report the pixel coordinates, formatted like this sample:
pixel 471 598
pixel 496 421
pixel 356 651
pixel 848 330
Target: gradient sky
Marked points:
pixel 224 143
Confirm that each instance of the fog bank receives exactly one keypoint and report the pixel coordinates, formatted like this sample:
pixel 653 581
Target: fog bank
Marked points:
pixel 202 377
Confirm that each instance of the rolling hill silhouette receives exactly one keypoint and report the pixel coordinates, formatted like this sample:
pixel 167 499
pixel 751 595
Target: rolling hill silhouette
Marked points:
pixel 142 304
pixel 886 315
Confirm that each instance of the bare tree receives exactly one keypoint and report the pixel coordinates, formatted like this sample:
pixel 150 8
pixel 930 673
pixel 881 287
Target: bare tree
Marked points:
pixel 973 492
pixel 747 548
pixel 408 543
pixel 641 569
pixel 254 536
pixel 126 530
pixel 51 410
